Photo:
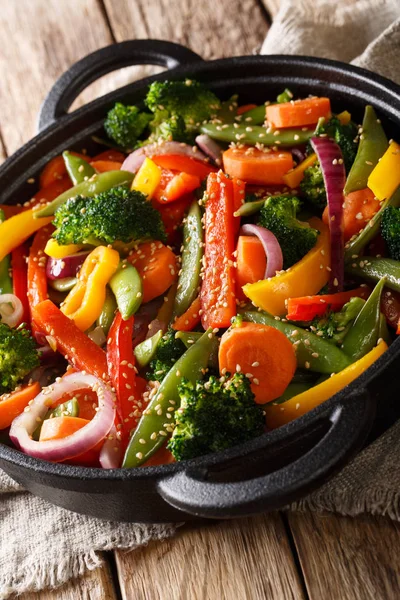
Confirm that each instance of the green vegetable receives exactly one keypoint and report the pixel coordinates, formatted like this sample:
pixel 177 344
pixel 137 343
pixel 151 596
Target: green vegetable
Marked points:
pixel 126 286
pixel 285 96
pixel 115 215
pixel 125 124
pixel 293 389
pixel 191 337
pixel 18 356
pixel 173 128
pixel 78 169
pixel 145 351
pixel 313 188
pixel 155 426
pixel 168 351
pixel 335 325
pixel 373 144
pixel 189 278
pixel 108 312
pixel 364 333
pixel 312 352
pixel 63 285
pixel 384 331
pixel 258 135
pixel 371 268
pixel 214 415
pixel 390 228
pixel 344 136
pixel 6 286
pixel 295 237
pixel 95 185
pixel 228 110
pixel 255 116
pixel 250 208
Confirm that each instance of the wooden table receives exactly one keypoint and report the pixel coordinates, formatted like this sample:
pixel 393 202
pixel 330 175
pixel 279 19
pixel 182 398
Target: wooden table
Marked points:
pixel 275 556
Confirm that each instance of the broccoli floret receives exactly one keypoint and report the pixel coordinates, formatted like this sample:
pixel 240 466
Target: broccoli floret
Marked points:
pixel 18 356
pixel 125 124
pixel 188 102
pixel 335 325
pixel 116 215
pixel 390 227
pixel 169 349
pixel 344 136
pixel 295 237
pixel 313 187
pixel 214 416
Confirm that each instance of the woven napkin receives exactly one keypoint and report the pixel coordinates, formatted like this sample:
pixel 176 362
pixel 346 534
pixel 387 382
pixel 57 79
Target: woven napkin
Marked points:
pixel 43 546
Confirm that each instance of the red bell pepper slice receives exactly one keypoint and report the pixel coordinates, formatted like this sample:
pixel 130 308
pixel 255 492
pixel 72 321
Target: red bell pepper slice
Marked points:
pixel 218 299
pixel 122 372
pixel 20 278
pixel 71 342
pixel 307 308
pixel 55 170
pixel 185 164
pixel 37 278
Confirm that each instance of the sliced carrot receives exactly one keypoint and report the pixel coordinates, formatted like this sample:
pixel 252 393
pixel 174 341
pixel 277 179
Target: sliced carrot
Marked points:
pixel 298 113
pixel 113 155
pixel 60 427
pixel 13 404
pixel 245 108
pixel 251 262
pixel 190 318
pixel 180 184
pixel 157 267
pixel 257 166
pixel 262 352
pixel 307 308
pixel 55 170
pixel 185 164
pixel 102 166
pixel 359 208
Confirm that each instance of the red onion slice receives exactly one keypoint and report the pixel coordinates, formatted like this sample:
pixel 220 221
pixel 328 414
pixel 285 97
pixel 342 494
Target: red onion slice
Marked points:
pixel 11 310
pixel 135 160
pixel 59 268
pixel 271 247
pixel 79 442
pixel 210 147
pixel 156 326
pixel 112 451
pixel 330 158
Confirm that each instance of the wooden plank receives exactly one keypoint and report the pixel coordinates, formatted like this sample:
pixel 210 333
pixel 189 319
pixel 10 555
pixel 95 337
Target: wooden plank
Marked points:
pixel 212 29
pixel 348 558
pixel 248 558
pixel 94 585
pixel 40 40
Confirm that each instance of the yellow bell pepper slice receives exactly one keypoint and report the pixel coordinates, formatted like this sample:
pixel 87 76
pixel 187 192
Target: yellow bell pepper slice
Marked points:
pixel 344 117
pixel 15 230
pixel 385 177
pixel 147 178
pixel 54 250
pixel 280 414
pixel 305 278
pixel 294 177
pixel 85 301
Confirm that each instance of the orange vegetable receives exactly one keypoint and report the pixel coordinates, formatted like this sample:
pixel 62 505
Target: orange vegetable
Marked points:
pixel 251 262
pixel 60 427
pixel 55 170
pixel 162 457
pixel 298 113
pixel 51 191
pixel 172 214
pixel 189 319
pixel 262 352
pixel 307 308
pixel 295 177
pixel 10 211
pixel 13 404
pixel 102 166
pixel 359 208
pixel 257 166
pixel 185 164
pixel 157 268
pixel 245 108
pixel 113 155
pixel 180 184
pixel 37 278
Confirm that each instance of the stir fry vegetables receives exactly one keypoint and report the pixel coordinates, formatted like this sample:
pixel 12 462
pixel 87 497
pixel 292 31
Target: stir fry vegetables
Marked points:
pixel 225 271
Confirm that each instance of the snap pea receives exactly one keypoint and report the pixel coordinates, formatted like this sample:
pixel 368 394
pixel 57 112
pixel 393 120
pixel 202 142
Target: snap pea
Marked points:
pixel 312 352
pixel 190 337
pixel 189 278
pixel 126 285
pixel 63 285
pixel 286 96
pixel 107 312
pixel 95 185
pixel 257 135
pixel 144 352
pixel 77 168
pixel 292 390
pixel 250 208
pixel 372 268
pixel 5 279
pixel 364 333
pixel 255 116
pixel 373 144
pixel 353 248
pixel 157 421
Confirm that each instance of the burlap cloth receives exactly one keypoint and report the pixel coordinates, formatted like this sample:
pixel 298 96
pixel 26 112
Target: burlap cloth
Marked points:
pixel 44 546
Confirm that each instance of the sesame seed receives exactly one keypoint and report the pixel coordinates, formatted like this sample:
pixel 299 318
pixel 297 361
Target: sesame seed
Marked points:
pixel 139 455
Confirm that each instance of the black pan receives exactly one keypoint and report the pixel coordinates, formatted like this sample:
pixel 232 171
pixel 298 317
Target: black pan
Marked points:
pixel 277 467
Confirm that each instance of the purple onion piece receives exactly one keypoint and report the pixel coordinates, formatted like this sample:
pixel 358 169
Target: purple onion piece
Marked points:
pixel 271 247
pixel 59 268
pixel 135 160
pixel 210 147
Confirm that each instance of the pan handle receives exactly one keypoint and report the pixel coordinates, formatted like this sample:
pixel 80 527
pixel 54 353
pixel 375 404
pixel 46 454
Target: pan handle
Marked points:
pixel 103 61
pixel 348 425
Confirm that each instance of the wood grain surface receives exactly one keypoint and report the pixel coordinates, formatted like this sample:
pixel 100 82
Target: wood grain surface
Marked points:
pixel 274 557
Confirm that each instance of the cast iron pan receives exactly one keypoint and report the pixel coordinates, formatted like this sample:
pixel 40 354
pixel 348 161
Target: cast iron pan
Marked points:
pixel 280 466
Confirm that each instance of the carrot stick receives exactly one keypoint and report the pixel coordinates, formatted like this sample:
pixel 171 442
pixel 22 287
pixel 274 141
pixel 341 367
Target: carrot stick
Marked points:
pixel 264 354
pixel 157 267
pixel 189 319
pixel 298 113
pixel 264 167
pixel 359 208
pixel 251 262
pixel 12 405
pixel 307 308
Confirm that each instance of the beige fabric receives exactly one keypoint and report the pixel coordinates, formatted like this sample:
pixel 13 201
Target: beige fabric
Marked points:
pixel 44 546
